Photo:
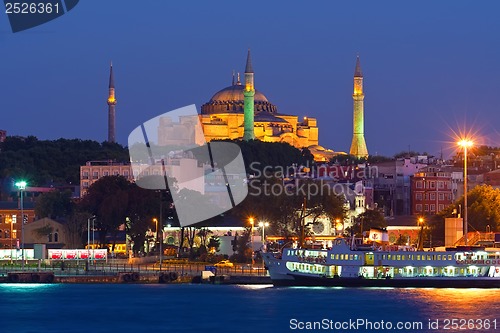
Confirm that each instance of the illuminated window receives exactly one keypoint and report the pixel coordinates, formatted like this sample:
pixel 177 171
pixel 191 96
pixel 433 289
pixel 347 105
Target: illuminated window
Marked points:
pixel 398 257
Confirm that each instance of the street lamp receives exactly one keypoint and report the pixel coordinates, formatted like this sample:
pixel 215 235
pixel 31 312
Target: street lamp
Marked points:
pixel 465 143
pixel 21 185
pixel 338 226
pixel 13 219
pixel 88 239
pixel 262 226
pixel 251 237
pixel 420 245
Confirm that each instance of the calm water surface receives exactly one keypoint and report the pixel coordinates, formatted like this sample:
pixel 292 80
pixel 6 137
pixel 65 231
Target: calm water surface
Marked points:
pixel 215 308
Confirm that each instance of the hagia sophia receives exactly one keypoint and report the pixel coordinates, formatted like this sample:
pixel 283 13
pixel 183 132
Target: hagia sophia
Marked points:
pixel 242 112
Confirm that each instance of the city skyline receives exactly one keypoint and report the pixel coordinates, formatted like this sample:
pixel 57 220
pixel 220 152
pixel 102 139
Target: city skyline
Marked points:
pixel 428 71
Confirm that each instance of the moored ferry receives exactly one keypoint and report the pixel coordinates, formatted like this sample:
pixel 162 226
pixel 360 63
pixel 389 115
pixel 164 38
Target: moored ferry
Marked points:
pixel 346 265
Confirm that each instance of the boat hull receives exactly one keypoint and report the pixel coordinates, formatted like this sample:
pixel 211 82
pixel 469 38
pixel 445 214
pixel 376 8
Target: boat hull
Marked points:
pixel 302 280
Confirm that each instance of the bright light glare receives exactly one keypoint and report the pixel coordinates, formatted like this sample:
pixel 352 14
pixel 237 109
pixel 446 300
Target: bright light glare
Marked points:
pixel 465 143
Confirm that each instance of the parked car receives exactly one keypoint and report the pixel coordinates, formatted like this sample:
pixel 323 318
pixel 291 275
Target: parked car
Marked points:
pixel 224 263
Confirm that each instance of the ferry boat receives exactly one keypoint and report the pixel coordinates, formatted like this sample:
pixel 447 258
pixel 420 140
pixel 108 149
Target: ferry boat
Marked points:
pixel 346 265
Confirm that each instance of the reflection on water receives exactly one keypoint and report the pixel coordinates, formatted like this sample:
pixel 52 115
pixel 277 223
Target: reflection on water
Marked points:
pixel 24 287
pixel 464 303
pixel 222 308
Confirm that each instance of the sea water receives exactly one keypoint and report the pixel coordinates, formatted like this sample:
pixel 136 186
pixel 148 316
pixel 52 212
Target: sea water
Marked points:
pixel 231 308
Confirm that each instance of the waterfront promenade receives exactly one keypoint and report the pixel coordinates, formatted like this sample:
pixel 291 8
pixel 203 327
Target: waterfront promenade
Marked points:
pixel 117 270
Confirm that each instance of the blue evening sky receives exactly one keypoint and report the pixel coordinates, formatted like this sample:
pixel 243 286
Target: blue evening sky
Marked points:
pixel 430 67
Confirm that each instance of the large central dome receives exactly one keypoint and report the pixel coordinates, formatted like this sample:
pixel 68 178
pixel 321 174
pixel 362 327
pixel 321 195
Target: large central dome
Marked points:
pixel 231 99
pixel 235 93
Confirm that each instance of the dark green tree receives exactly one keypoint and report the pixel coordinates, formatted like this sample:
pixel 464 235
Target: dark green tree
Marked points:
pixel 483 209
pixel 55 205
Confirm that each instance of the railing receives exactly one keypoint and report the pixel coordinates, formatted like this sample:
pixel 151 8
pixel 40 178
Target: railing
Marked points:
pixel 474 237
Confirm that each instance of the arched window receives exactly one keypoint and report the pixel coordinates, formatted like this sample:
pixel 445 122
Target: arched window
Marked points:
pixel 50 238
pixel 7 234
pixel 1 233
pixel 56 237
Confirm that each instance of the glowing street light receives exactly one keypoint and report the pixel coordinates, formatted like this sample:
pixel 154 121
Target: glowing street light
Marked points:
pixel 465 143
pixel 420 242
pixel 21 185
pixel 251 237
pixel 262 226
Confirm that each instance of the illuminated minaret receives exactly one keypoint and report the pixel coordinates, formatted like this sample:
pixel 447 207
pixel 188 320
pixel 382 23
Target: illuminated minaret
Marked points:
pixel 111 106
pixel 358 145
pixel 248 93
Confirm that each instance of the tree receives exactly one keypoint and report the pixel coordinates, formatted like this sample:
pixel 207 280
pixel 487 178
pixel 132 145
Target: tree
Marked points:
pixel 55 205
pixel 483 208
pixel 107 199
pixel 371 218
pixel 270 199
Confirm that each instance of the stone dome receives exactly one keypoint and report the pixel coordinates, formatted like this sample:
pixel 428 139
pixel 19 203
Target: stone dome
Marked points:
pixel 235 93
pixel 231 99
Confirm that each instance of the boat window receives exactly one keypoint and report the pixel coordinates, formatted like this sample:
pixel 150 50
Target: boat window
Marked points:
pixel 388 257
pixel 383 256
pixel 428 257
pixel 351 257
pixel 403 257
pixel 341 257
pixel 449 256
pixel 356 257
pixel 439 257
pixel 398 257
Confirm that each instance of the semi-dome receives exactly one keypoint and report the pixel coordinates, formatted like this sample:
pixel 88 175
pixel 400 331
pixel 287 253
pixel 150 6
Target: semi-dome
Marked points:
pixel 231 99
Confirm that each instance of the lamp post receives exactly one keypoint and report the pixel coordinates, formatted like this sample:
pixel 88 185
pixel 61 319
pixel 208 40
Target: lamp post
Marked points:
pixel 262 226
pixel 21 185
pixel 338 226
pixel 465 143
pixel 155 220
pixel 420 245
pixel 251 237
pixel 88 239
pixel 13 219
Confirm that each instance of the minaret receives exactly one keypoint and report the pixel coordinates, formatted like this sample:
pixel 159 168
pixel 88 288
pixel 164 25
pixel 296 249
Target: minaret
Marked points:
pixel 248 93
pixel 111 106
pixel 358 145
